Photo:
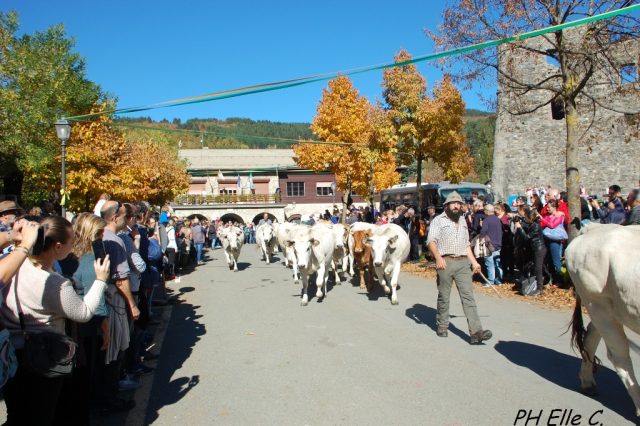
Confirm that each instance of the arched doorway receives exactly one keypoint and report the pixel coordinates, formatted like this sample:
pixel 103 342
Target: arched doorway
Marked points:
pixel 231 217
pixel 199 216
pixel 258 217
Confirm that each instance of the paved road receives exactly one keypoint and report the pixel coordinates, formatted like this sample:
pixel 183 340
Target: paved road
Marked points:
pixel 239 349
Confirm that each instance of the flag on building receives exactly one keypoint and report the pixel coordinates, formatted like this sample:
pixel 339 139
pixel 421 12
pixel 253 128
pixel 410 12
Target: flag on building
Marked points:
pixel 239 182
pixel 251 185
pixel 220 175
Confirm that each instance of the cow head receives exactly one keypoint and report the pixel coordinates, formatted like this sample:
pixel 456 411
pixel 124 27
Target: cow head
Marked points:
pixel 233 237
pixel 381 246
pixel 267 232
pixel 359 238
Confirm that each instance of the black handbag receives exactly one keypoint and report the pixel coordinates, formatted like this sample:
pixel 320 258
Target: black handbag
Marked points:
pixel 46 353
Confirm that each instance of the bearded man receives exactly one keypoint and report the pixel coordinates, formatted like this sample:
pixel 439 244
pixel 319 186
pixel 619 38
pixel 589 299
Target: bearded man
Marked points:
pixel 448 242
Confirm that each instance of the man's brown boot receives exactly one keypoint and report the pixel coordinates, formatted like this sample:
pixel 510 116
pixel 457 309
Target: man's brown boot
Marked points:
pixel 442 331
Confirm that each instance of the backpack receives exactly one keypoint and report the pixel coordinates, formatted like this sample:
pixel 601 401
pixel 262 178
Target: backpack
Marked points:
pixel 482 246
pixel 528 286
pixel 422 232
pixel 155 251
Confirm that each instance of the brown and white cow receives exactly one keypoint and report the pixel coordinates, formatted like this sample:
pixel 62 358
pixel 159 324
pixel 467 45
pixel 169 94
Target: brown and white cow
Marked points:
pixel 363 259
pixel 603 264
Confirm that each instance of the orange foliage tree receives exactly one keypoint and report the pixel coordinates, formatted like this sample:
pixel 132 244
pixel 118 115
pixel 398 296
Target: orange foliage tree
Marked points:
pixel 363 140
pixel 427 127
pixel 99 159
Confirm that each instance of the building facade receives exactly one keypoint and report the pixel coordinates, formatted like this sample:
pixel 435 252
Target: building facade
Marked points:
pixel 245 183
pixel 530 149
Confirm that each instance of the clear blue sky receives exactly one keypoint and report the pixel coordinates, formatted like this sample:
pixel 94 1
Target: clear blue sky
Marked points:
pixel 146 51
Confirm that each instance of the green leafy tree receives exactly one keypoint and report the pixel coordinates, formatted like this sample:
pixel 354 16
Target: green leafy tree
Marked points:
pixel 41 80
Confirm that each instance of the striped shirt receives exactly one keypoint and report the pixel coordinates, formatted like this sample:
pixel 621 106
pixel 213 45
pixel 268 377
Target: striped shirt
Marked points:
pixel 451 238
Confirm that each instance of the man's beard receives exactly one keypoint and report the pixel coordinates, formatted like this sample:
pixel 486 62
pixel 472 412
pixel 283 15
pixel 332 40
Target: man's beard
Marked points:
pixel 454 216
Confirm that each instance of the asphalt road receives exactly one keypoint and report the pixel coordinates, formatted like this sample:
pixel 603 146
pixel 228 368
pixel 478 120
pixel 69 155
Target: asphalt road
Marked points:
pixel 240 350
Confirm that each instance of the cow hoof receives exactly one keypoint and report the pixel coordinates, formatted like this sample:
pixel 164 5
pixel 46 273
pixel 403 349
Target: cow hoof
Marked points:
pixel 304 301
pixel 387 290
pixel 590 391
pixel 319 294
pixel 362 287
pixel 394 301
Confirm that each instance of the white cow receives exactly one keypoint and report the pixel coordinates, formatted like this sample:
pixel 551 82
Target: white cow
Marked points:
pixel 358 226
pixel 603 264
pixel 313 248
pixel 283 231
pixel 340 252
pixel 266 240
pixel 389 248
pixel 232 240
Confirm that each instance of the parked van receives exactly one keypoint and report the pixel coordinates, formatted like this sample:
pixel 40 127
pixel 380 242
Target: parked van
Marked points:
pixel 433 194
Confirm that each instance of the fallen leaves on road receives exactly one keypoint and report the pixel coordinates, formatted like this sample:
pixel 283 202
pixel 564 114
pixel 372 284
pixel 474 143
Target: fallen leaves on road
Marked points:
pixel 250 333
pixel 553 297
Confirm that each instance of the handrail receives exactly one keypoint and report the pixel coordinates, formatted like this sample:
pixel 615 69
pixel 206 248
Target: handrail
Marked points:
pixel 193 199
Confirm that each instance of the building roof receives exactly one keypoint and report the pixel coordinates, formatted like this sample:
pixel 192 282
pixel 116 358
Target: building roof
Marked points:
pixel 237 159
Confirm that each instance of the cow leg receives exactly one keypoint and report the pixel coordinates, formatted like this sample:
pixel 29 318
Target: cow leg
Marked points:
pixel 361 275
pixel 591 340
pixel 305 283
pixel 226 255
pixel 351 271
pixel 345 264
pixel 383 279
pixel 235 264
pixel 395 274
pixel 617 349
pixel 321 279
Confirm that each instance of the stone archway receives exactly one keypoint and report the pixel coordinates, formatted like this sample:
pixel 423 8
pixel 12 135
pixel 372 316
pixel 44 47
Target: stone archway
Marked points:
pixel 231 217
pixel 199 216
pixel 259 216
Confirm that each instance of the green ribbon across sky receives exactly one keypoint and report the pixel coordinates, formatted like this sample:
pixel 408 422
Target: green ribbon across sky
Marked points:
pixel 285 84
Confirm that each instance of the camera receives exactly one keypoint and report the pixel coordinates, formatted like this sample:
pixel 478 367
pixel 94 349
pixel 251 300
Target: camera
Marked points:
pixel 515 219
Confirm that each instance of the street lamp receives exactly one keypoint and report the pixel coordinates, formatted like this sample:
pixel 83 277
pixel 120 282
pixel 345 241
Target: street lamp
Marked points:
pixel 63 130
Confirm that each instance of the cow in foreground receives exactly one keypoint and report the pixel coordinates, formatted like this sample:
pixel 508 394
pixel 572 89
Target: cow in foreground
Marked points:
pixel 313 248
pixel 389 248
pixel 603 265
pixel 266 240
pixel 358 226
pixel 232 240
pixel 363 259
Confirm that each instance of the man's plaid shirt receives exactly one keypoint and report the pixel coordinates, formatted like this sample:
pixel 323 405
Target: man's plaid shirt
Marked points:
pixel 451 238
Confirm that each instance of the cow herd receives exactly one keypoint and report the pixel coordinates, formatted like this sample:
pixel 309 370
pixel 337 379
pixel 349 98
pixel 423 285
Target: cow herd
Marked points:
pixel 377 251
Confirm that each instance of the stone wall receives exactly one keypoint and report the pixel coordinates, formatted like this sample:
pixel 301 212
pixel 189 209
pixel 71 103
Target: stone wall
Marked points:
pixel 530 148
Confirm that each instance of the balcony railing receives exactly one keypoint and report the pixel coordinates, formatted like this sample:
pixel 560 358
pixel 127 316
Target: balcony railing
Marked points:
pixel 199 200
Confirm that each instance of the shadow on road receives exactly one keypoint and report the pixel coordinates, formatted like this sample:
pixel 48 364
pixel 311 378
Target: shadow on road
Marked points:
pixel 422 314
pixel 562 369
pixel 183 332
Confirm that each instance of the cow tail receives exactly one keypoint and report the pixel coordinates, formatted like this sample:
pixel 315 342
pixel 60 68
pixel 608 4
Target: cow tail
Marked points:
pixel 577 328
pixel 578 332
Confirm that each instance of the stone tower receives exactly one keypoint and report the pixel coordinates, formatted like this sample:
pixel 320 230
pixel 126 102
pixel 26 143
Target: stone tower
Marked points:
pixel 530 148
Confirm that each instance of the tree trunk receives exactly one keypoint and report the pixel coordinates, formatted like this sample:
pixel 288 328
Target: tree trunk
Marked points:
pixel 345 201
pixel 572 172
pixel 418 186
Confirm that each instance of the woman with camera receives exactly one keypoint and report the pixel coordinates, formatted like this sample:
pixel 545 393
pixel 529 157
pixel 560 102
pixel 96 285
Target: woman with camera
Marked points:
pixel 39 300
pixel 23 234
pixel 532 234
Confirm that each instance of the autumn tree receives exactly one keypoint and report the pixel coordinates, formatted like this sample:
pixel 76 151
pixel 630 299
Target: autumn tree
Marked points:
pixel 99 159
pixel 590 62
pixel 427 127
pixel 41 80
pixel 362 141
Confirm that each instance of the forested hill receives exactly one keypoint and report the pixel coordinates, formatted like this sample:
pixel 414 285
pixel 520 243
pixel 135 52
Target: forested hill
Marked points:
pixel 229 133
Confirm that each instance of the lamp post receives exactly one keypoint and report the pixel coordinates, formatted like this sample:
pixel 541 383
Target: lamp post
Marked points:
pixel 63 130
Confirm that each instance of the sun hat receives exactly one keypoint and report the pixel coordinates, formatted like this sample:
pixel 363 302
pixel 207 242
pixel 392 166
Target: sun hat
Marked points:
pixel 453 197
pixel 8 205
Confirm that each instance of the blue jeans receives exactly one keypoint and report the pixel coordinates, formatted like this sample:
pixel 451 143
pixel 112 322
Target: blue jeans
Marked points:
pixel 494 267
pixel 555 249
pixel 198 251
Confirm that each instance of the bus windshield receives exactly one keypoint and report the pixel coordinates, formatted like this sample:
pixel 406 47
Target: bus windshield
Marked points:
pixel 465 193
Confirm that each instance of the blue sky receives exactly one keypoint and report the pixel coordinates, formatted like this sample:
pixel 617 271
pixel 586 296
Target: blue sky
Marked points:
pixel 144 52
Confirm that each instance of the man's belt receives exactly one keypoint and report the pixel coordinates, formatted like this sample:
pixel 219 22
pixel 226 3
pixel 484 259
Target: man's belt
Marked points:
pixel 453 256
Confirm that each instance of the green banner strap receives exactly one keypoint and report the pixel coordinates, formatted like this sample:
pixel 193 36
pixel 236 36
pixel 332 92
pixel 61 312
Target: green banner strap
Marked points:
pixel 285 84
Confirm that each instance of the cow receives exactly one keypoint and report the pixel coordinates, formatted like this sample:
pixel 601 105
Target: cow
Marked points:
pixel 232 239
pixel 266 240
pixel 358 226
pixel 283 230
pixel 603 265
pixel 389 248
pixel 363 258
pixel 313 248
pixel 340 253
